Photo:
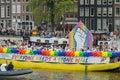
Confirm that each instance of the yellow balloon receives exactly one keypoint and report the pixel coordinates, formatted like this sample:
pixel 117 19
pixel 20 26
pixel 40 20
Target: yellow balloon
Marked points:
pixel 27 51
pixel 51 53
pixel 76 53
pixel 104 54
pixel 4 50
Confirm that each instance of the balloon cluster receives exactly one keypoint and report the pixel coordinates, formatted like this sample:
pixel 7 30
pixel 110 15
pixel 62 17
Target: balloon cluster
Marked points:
pixel 59 53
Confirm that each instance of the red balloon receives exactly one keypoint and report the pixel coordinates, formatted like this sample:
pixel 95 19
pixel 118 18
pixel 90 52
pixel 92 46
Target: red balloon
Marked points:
pixel 19 51
pixel 43 52
pixel 95 54
pixel 67 53
pixel 114 33
pixel 1 50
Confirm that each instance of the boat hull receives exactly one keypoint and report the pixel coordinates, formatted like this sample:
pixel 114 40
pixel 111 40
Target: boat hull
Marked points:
pixel 15 72
pixel 64 66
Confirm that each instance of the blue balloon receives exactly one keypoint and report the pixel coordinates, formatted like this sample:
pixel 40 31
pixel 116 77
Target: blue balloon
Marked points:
pixel 118 54
pixel 39 52
pixel 85 54
pixel 35 52
pixel 90 54
pixel 114 54
pixel 14 50
pixel 59 53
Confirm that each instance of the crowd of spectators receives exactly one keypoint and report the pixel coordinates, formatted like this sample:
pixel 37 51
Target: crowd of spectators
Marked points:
pixel 49 34
pixel 22 32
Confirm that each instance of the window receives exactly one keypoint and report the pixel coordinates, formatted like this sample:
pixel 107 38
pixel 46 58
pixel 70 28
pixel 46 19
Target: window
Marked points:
pixel 81 2
pixel 104 22
pixel 98 24
pixel 23 17
pixel 18 9
pixel 86 22
pixel 13 8
pixel 91 11
pixel 8 1
pixel 92 1
pixel 2 1
pixel 86 11
pixel 14 17
pixel 104 2
pixel 117 0
pixel 111 28
pixel 110 2
pixel 104 11
pixel 27 17
pixel 81 11
pixel 99 2
pixel 86 2
pixel 117 11
pixel 117 23
pixel 7 11
pixel 110 11
pixel 3 11
pixel 98 11
pixel 92 24
pixel 18 17
pixel 27 8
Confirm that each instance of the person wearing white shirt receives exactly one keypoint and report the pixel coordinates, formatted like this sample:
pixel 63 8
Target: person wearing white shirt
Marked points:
pixel 3 67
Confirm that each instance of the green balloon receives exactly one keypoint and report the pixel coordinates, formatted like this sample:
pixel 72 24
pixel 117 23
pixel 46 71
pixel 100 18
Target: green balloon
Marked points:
pixel 8 50
pixel 55 53
pixel 31 52
pixel 81 53
pixel 109 54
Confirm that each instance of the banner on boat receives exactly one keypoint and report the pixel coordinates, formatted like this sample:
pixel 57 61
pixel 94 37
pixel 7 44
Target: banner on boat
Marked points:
pixel 80 37
pixel 56 59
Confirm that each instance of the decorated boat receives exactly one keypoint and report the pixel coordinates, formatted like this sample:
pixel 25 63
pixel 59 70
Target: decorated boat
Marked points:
pixel 70 61
pixel 73 60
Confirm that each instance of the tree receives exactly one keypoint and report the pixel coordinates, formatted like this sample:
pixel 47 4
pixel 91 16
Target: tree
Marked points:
pixel 54 10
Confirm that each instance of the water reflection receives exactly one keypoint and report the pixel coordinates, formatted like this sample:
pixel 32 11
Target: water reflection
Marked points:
pixel 60 75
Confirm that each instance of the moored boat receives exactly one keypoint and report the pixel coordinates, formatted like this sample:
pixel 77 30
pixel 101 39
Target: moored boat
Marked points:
pixel 64 66
pixel 16 72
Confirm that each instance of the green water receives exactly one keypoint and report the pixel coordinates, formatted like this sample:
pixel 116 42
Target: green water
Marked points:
pixel 61 75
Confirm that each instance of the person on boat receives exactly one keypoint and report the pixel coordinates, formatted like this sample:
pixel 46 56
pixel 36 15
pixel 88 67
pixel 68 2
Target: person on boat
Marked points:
pixel 3 67
pixel 10 66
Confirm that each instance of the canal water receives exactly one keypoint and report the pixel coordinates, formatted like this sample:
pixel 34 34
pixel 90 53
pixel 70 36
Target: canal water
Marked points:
pixel 63 75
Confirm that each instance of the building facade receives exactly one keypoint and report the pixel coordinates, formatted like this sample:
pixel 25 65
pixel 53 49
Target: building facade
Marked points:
pixel 117 15
pixel 16 14
pixel 97 15
pixel 5 13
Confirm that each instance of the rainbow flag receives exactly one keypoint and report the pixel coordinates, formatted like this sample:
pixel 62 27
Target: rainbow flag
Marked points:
pixel 80 37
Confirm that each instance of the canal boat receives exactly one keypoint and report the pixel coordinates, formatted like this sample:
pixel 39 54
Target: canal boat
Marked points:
pixel 16 72
pixel 63 66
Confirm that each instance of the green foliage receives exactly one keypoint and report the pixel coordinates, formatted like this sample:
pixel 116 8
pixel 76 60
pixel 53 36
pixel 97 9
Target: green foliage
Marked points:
pixel 54 9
